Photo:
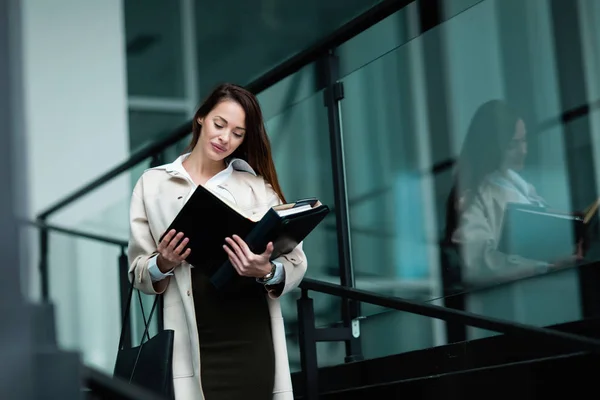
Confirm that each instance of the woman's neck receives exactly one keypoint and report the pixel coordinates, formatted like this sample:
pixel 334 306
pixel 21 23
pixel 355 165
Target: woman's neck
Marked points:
pixel 201 168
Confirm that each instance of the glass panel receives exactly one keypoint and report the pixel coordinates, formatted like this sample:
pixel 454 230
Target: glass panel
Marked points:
pixel 146 126
pixel 154 48
pixel 84 274
pixel 409 114
pixel 171 153
pixel 451 8
pixel 300 144
pixel 543 163
pixel 84 290
pixel 390 332
pixel 240 41
pixel 386 190
pixel 378 40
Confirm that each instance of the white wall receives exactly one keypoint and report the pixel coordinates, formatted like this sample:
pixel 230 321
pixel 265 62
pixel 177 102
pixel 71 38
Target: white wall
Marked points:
pixel 76 129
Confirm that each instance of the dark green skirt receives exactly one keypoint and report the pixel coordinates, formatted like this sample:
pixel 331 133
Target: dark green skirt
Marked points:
pixel 237 359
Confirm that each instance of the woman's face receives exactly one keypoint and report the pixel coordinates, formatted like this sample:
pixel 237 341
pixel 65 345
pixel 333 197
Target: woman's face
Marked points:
pixel 223 130
pixel 517 148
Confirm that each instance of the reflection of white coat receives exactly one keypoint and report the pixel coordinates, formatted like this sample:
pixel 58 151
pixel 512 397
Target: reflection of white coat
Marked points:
pixel 480 227
pixel 530 301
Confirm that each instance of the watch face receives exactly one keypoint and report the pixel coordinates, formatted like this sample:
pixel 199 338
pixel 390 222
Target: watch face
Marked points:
pixel 270 274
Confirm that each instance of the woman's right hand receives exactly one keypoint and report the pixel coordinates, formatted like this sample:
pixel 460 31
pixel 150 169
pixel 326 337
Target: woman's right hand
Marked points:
pixel 170 253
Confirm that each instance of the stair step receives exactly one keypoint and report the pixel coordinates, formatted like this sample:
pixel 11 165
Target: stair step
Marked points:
pixel 540 378
pixel 447 359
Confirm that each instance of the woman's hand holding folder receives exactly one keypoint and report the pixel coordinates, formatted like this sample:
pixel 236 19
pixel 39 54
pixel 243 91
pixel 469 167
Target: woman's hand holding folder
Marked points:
pixel 172 251
pixel 245 262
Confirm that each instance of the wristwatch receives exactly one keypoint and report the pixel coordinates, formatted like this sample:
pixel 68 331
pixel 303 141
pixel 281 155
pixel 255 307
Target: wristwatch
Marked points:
pixel 270 275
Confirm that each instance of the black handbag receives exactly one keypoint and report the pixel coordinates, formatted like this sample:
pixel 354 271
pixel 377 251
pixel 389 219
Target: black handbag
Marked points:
pixel 149 365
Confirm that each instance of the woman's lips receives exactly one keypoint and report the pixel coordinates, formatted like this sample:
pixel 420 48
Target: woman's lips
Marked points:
pixel 218 149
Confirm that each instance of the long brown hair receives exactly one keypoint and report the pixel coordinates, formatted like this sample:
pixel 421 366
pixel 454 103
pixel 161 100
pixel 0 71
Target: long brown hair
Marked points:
pixel 256 147
pixel 490 133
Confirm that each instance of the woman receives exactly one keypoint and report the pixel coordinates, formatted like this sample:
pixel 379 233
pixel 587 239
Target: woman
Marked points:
pixel 488 180
pixel 228 346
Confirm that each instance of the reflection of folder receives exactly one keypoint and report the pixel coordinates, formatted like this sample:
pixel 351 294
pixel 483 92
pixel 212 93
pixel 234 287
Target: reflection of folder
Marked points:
pixel 539 234
pixel 207 220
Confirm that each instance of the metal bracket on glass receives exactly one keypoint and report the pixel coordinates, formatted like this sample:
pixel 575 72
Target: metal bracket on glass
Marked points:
pixel 356 327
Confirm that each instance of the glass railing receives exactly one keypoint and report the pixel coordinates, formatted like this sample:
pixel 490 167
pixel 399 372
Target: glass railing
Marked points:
pixel 401 165
pixel 410 100
pixel 300 143
pixel 84 274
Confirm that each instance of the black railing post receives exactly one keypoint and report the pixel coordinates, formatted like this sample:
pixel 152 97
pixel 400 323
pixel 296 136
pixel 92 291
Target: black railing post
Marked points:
pixel 573 91
pixel 334 93
pixel 43 266
pixel 124 290
pixel 308 346
pixel 438 108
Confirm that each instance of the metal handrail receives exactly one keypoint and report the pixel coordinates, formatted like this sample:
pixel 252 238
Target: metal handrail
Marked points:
pixel 448 314
pixel 74 232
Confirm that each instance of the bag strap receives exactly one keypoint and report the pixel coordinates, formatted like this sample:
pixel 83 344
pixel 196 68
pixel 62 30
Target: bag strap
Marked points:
pixel 137 358
pixel 125 321
pixel 139 296
pixel 147 323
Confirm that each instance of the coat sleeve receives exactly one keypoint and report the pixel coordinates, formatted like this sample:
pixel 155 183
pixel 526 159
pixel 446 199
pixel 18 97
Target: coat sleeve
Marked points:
pixel 294 263
pixel 142 246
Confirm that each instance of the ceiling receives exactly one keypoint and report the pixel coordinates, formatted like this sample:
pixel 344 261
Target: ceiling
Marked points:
pixel 236 40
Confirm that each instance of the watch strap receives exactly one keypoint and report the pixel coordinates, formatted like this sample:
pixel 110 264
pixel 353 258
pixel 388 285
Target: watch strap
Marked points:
pixel 270 275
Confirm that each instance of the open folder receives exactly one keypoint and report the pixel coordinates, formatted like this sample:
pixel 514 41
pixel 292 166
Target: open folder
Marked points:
pixel 207 220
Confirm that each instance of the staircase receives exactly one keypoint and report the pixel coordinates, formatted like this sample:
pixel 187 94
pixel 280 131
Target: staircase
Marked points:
pixel 493 367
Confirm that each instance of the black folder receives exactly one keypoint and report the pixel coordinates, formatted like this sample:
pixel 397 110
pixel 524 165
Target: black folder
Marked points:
pixel 207 220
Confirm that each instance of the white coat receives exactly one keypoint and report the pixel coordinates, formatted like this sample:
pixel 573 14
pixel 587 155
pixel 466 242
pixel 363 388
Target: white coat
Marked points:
pixel 156 200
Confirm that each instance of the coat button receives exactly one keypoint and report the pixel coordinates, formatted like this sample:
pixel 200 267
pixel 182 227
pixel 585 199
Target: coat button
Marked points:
pixel 189 293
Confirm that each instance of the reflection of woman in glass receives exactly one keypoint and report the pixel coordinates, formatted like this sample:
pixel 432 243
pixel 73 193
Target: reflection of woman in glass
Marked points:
pixel 487 180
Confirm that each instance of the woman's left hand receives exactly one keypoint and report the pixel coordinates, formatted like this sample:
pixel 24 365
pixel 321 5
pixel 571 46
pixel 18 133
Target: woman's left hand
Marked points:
pixel 245 262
